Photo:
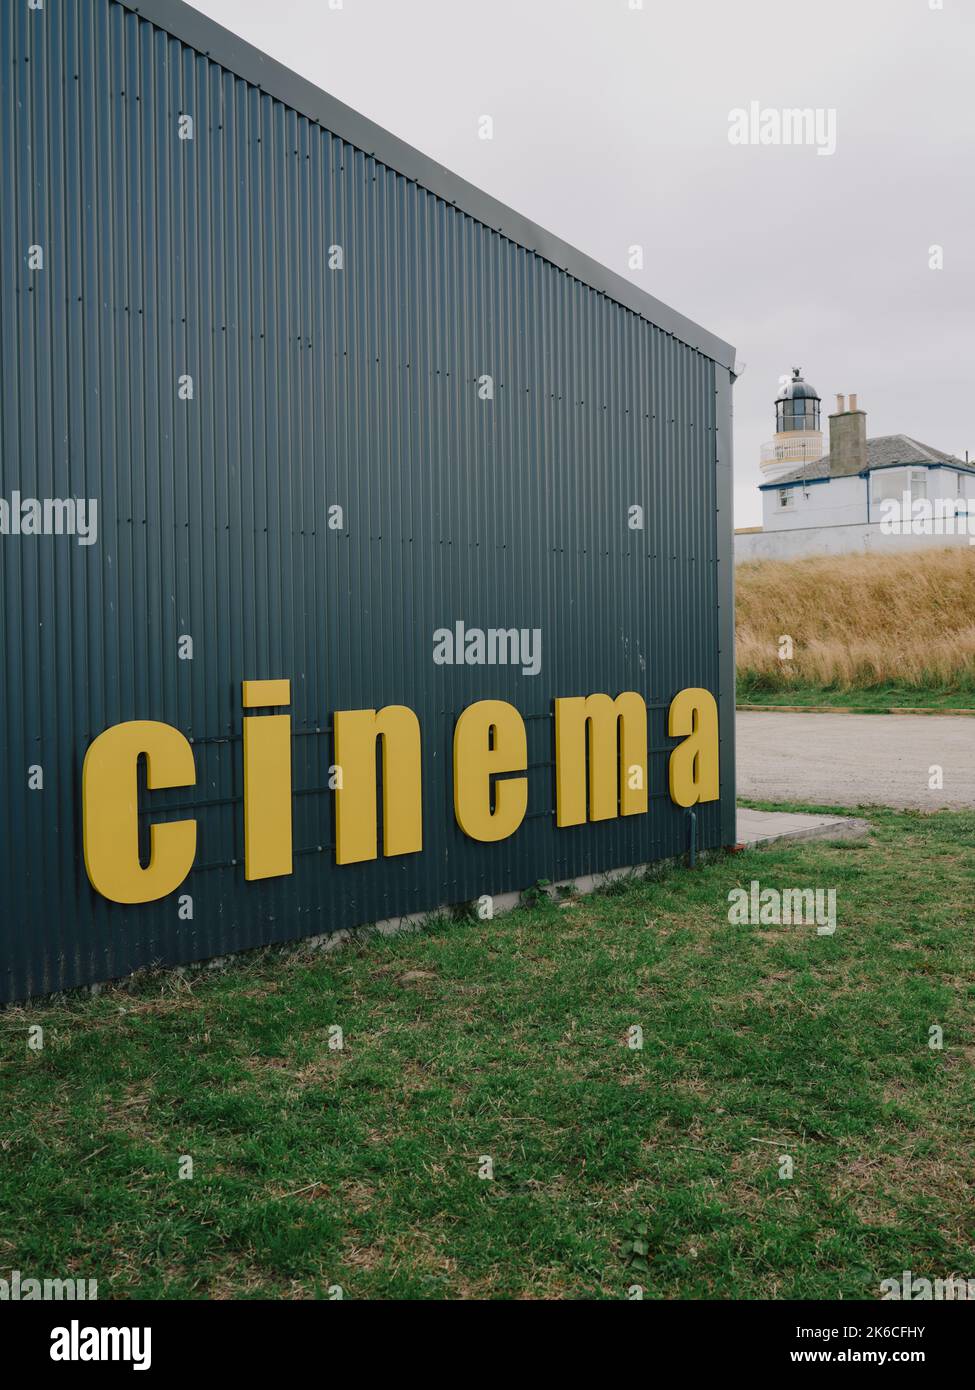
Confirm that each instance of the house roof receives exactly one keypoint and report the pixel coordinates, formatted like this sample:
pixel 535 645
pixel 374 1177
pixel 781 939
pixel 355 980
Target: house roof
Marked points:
pixel 883 451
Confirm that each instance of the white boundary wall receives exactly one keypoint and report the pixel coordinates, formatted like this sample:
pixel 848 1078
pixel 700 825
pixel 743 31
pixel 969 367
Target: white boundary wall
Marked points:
pixel 865 537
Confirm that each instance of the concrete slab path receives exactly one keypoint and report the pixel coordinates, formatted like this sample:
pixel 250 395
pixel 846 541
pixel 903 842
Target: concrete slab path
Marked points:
pixel 764 827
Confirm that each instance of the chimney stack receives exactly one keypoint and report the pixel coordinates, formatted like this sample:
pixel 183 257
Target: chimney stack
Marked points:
pixel 847 438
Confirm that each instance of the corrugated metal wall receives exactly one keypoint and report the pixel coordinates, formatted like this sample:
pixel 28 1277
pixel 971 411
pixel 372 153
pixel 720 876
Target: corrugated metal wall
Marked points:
pixel 312 387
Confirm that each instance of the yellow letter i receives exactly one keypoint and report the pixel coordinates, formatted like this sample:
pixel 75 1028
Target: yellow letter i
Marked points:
pixel 267 782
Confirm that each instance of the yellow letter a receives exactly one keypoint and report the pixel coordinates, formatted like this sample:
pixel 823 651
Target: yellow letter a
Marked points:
pixel 694 763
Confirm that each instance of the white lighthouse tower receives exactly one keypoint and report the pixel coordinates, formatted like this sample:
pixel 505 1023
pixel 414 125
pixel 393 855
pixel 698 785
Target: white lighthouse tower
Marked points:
pixel 798 438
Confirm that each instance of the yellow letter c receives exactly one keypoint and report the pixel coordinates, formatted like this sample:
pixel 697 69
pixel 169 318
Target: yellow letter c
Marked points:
pixel 110 807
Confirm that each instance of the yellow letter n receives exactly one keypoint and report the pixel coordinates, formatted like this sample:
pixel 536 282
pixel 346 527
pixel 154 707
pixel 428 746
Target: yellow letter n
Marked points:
pixel 356 830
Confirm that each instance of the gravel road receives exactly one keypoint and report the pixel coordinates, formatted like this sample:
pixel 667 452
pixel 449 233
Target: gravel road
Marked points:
pixel 856 759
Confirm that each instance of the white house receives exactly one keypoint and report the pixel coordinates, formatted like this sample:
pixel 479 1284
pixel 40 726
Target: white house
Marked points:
pixel 862 494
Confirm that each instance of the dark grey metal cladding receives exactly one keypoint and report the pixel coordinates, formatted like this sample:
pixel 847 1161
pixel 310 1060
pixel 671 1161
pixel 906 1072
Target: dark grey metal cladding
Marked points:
pixel 315 387
pixel 198 31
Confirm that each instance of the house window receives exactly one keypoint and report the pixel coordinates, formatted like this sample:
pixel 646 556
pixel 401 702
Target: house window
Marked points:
pixel 919 483
pixel 787 497
pixel 889 483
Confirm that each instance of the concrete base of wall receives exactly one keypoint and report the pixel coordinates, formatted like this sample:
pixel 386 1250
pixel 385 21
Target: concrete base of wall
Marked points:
pixel 833 540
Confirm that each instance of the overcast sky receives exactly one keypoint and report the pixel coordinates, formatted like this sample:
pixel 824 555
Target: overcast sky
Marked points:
pixel 611 129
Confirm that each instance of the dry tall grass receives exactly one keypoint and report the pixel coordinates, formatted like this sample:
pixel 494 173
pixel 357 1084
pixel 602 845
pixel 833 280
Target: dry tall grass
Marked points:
pixel 858 621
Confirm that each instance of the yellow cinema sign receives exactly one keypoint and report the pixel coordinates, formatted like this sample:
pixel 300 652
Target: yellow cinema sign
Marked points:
pixel 600 773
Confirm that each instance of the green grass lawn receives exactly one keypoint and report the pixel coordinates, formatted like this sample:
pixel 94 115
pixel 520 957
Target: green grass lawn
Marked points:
pixel 878 698
pixel 612 1167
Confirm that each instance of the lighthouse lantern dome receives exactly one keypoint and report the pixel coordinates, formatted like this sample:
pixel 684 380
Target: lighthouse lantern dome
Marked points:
pixel 797 405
